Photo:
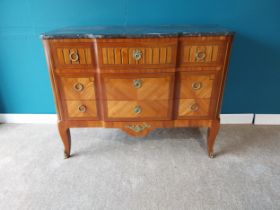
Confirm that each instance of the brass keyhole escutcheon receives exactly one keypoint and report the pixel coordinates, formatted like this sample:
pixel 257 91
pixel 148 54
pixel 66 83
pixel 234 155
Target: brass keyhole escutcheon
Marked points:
pixel 196 85
pixel 82 108
pixel 137 109
pixel 194 107
pixel 73 56
pixel 78 87
pixel 137 54
pixel 137 83
pixel 200 55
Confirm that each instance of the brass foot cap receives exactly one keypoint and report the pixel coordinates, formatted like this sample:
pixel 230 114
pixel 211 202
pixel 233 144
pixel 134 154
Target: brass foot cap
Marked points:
pixel 66 155
pixel 211 155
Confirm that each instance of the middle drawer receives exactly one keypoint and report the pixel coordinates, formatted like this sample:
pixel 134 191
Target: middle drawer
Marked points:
pixel 138 87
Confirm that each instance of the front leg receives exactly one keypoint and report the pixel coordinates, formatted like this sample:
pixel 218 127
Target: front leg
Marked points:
pixel 65 135
pixel 212 134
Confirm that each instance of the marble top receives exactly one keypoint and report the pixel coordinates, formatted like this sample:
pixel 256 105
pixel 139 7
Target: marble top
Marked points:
pixel 137 31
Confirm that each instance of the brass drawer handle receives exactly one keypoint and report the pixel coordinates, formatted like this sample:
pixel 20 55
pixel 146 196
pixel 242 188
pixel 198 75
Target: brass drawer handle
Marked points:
pixel 78 87
pixel 137 54
pixel 137 109
pixel 194 107
pixel 73 56
pixel 199 56
pixel 137 83
pixel 82 108
pixel 196 85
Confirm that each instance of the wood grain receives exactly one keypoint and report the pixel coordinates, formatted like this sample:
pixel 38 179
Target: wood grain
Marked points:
pixel 65 136
pixel 167 69
pixel 73 110
pixel 150 88
pixel 155 53
pixel 213 49
pixel 185 107
pixel 69 86
pixel 196 85
pixel 61 51
pixel 156 109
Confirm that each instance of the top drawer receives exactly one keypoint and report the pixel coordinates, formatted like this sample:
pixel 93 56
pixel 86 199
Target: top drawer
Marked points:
pixel 203 51
pixel 73 54
pixel 141 53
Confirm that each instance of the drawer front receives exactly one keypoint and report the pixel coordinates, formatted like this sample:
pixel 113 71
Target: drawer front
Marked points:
pixel 81 88
pixel 150 53
pixel 73 55
pixel 194 108
pixel 138 110
pixel 81 109
pixel 195 85
pixel 139 87
pixel 202 51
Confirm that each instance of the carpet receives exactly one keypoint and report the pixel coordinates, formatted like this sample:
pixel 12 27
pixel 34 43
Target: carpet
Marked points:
pixel 167 170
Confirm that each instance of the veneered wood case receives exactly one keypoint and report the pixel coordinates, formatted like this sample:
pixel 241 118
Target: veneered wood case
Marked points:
pixel 138 84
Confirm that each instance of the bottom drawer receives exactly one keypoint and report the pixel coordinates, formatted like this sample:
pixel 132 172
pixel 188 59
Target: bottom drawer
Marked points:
pixel 81 109
pixel 138 110
pixel 194 107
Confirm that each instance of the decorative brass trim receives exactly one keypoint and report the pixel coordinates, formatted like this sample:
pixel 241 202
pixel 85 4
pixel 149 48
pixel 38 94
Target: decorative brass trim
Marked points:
pixel 78 87
pixel 137 109
pixel 211 155
pixel 137 54
pixel 194 107
pixel 138 128
pixel 196 85
pixel 200 55
pixel 82 108
pixel 137 83
pixel 66 155
pixel 73 56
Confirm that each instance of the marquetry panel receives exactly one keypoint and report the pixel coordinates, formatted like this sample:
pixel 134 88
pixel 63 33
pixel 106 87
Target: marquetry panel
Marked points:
pixel 159 109
pixel 202 51
pixel 81 109
pixel 78 88
pixel 195 85
pixel 140 88
pixel 147 55
pixel 193 107
pixel 73 56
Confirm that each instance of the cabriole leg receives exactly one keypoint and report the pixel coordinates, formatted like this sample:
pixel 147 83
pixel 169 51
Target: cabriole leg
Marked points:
pixel 211 137
pixel 65 137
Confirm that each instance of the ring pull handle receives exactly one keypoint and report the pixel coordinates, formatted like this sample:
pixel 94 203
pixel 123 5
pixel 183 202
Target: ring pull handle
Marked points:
pixel 200 55
pixel 82 108
pixel 194 107
pixel 137 54
pixel 137 83
pixel 137 109
pixel 73 56
pixel 78 87
pixel 196 85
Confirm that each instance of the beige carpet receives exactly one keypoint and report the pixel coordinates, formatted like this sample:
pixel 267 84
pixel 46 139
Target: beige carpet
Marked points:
pixel 167 170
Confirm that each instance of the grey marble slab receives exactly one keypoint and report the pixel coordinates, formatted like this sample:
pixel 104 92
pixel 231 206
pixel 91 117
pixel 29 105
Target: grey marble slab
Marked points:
pixel 137 31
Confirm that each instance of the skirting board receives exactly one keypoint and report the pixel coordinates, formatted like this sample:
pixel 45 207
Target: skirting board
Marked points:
pixel 237 118
pixel 52 118
pixel 267 119
pixel 28 118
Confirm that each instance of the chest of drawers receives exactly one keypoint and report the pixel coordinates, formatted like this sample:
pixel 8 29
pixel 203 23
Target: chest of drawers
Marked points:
pixel 138 78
